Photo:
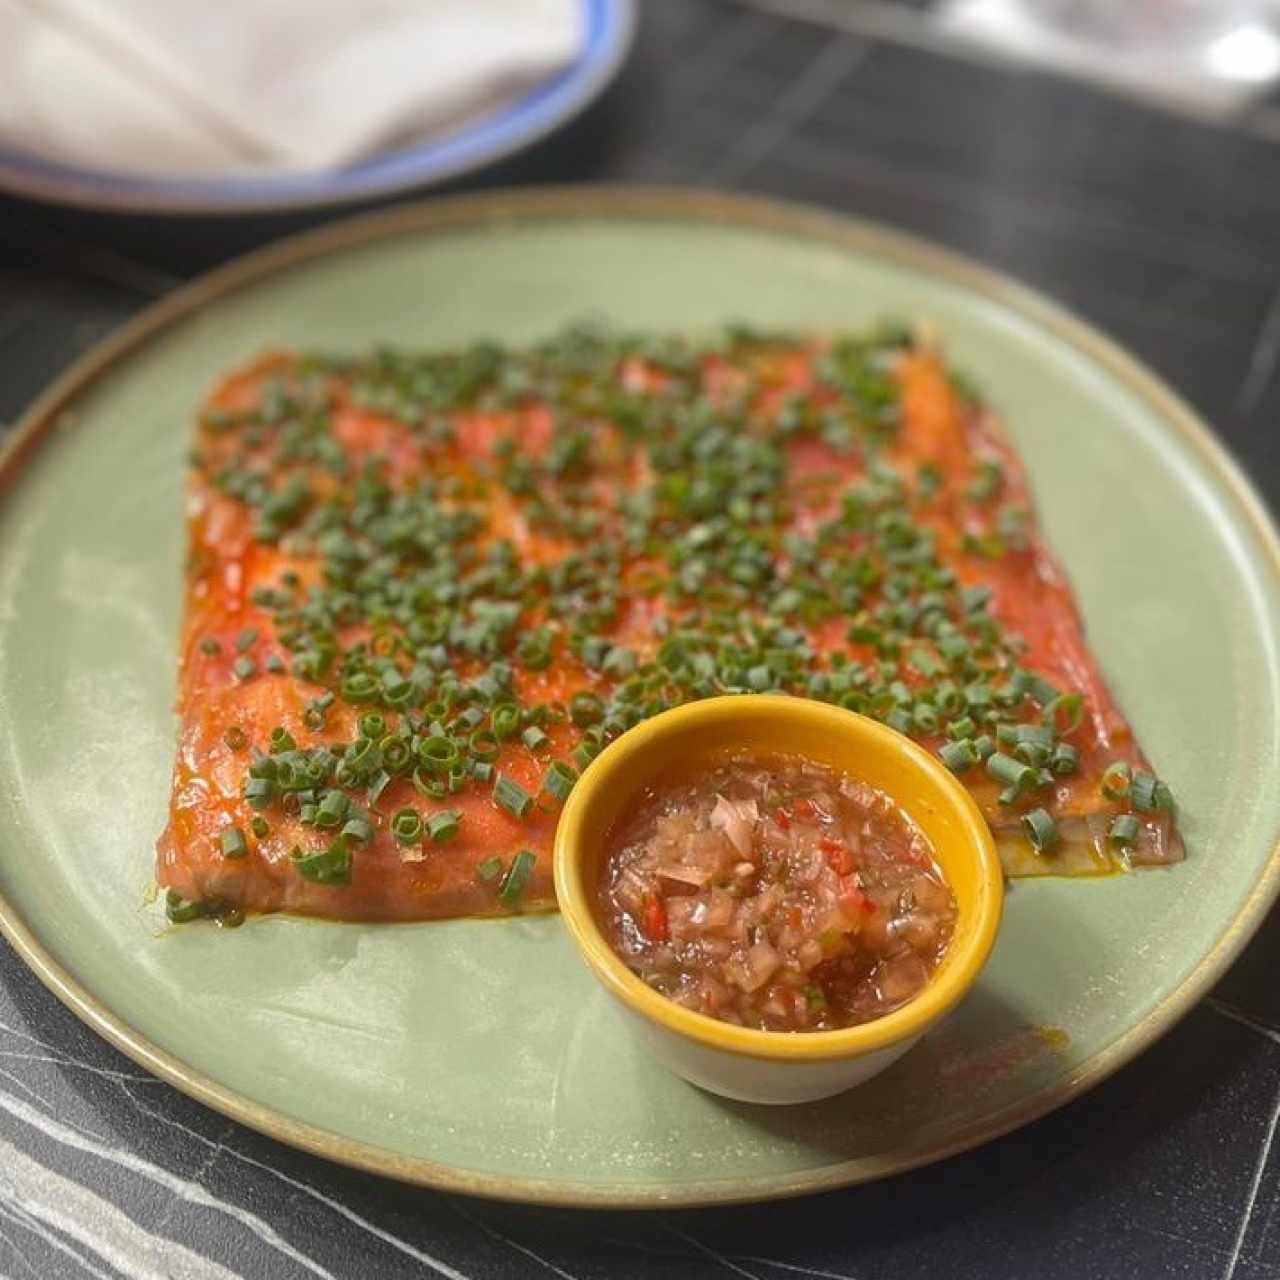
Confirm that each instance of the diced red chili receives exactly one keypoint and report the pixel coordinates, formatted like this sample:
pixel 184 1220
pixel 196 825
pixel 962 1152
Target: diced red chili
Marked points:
pixel 655 925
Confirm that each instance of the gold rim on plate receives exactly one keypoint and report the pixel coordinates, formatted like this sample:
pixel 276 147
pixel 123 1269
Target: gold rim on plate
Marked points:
pixel 660 204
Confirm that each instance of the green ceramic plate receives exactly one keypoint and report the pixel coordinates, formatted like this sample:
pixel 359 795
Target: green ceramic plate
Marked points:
pixel 480 1056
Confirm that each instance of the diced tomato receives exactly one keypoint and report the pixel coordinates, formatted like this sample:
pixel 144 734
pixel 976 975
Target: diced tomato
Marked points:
pixel 654 921
pixel 794 918
pixel 839 859
pixel 852 900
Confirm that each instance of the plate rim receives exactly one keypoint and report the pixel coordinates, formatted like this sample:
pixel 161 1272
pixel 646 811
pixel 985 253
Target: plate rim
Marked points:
pixel 522 206
pixel 611 27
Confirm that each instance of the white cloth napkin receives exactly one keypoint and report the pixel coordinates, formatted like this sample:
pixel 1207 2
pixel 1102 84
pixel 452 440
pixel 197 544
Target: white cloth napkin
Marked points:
pixel 211 87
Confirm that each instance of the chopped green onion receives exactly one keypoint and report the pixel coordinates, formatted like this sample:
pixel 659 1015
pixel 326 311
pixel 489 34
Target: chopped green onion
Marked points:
pixel 180 910
pixel 210 647
pixel 1017 776
pixel 489 869
pixel 517 878
pixel 381 781
pixel 1149 795
pixel 443 826
pixel 505 719
pixel 244 641
pixel 511 796
pixel 332 809
pixel 331 865
pixel 373 724
pixel 1042 691
pixel 1064 713
pixel 585 708
pixel 438 754
pixel 244 667
pixel 534 738
pixel 925 718
pixel 559 780
pixel 406 826
pixel 259 792
pixel 1041 830
pixel 260 827
pixel 1117 779
pixel 358 829
pixel 958 756
pixel 900 719
pixel 360 687
pixel 234 844
pixel 1124 831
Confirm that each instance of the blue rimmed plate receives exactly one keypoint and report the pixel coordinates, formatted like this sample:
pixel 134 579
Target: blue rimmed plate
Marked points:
pixel 609 26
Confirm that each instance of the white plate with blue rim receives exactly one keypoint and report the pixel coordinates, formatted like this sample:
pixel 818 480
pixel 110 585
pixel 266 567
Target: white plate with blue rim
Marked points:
pixel 608 26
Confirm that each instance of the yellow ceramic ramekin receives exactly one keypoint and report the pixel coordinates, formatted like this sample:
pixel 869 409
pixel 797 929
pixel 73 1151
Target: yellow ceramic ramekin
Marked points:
pixel 770 1066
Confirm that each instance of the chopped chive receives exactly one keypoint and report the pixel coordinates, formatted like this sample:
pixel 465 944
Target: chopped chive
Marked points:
pixel 244 641
pixel 244 667
pixel 210 647
pixel 1065 759
pixel 234 844
pixel 511 796
pixel 443 826
pixel 517 878
pixel 1041 830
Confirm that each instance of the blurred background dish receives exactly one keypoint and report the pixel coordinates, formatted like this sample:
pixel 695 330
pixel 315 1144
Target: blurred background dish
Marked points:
pixel 251 165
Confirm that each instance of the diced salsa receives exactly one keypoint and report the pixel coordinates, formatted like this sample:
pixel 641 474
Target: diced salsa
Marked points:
pixel 776 893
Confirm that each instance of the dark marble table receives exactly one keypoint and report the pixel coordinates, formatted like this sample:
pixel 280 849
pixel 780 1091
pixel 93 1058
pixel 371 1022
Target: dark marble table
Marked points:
pixel 1162 230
